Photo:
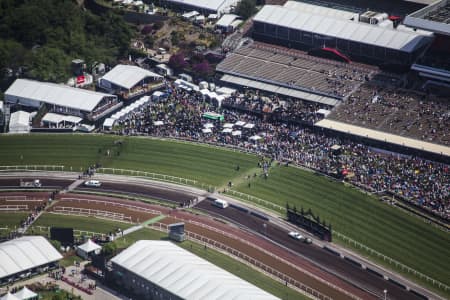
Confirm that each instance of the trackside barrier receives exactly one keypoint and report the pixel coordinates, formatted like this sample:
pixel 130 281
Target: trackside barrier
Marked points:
pixel 257 200
pixel 111 203
pixel 31 168
pixel 391 261
pixel 13 207
pixel 91 212
pixel 155 176
pixel 163 227
pixel 76 232
pixel 251 262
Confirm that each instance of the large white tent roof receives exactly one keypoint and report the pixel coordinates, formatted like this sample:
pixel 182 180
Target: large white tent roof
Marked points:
pixel 128 76
pixel 339 28
pixel 56 94
pixel 320 10
pixel 26 253
pixel 216 5
pixel 185 274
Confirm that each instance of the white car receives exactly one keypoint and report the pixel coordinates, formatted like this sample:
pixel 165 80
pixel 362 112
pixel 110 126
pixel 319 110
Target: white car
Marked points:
pixel 93 183
pixel 296 235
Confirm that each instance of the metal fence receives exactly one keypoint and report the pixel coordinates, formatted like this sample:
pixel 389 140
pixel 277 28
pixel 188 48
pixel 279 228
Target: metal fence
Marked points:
pixel 252 199
pixel 391 261
pixel 31 168
pixel 154 176
pixel 118 204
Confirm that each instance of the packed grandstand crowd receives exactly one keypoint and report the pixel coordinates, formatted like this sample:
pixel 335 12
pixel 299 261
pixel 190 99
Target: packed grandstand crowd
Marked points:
pixel 398 111
pixel 283 137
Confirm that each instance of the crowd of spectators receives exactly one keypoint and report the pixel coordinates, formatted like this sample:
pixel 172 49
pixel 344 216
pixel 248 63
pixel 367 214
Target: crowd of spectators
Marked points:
pixel 398 112
pixel 423 182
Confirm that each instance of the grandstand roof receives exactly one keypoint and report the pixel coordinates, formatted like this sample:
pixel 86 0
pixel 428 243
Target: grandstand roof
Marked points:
pixel 26 253
pixel 56 94
pixel 279 90
pixel 434 17
pixel 185 274
pixel 127 76
pixel 320 10
pixel 216 5
pixel 384 137
pixel 339 28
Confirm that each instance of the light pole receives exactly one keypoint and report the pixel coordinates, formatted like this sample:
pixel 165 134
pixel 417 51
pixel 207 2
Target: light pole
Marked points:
pixel 385 294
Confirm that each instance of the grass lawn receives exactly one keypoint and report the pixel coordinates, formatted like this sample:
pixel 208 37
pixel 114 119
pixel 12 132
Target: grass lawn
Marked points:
pixel 360 217
pixel 69 260
pixel 9 220
pixel 80 223
pixel 169 158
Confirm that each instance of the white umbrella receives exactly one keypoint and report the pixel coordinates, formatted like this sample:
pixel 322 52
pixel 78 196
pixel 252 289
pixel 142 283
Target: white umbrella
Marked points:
pixel 208 125
pixel 206 130
pixel 227 130
pixel 228 125
pixel 249 126
pixel 239 123
pixel 158 123
pixel 255 138
pixel 236 132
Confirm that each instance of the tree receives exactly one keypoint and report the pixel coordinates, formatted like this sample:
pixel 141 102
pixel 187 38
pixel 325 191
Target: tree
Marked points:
pixel 246 8
pixel 178 61
pixel 56 244
pixel 109 249
pixel 203 69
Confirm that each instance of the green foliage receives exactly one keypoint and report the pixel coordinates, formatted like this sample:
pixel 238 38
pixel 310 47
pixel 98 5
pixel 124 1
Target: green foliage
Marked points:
pixel 45 35
pixel 246 8
pixel 56 244
pixel 109 249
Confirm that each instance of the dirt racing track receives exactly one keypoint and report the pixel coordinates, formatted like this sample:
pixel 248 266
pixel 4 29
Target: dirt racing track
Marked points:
pixel 249 236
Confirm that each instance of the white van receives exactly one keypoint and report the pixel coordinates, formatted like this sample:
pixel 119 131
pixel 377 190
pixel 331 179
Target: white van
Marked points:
pixel 93 183
pixel 220 203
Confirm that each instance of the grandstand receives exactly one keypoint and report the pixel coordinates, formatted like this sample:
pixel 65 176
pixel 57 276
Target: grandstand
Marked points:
pixel 399 112
pixel 435 64
pixel 314 79
pixel 298 27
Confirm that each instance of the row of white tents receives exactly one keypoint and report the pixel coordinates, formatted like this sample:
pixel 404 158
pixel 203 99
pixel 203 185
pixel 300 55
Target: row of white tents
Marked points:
pixel 23 294
pixel 228 128
pixel 109 122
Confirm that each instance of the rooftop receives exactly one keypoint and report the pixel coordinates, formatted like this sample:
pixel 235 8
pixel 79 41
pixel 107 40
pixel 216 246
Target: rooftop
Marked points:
pixel 127 76
pixel 434 17
pixel 25 253
pixel 309 21
pixel 56 94
pixel 185 274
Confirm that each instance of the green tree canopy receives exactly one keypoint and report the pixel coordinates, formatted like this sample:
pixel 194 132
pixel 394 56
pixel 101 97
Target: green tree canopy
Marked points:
pixel 246 8
pixel 45 35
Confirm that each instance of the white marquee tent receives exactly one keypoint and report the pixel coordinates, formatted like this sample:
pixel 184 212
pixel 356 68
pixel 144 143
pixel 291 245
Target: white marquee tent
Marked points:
pixel 184 274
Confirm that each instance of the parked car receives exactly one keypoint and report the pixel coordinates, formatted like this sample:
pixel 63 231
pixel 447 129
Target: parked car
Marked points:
pixel 92 183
